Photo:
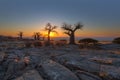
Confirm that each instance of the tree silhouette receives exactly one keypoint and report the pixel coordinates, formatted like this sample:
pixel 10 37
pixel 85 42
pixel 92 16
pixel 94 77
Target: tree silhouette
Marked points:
pixel 86 41
pixel 70 30
pixel 37 35
pixel 50 29
pixel 116 40
pixel 20 35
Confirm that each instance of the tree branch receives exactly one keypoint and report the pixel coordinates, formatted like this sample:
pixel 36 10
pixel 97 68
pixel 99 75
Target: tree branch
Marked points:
pixel 67 27
pixel 78 26
pixel 68 33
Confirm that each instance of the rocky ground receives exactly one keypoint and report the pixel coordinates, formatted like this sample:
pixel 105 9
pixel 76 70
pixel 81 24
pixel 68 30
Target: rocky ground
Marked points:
pixel 60 63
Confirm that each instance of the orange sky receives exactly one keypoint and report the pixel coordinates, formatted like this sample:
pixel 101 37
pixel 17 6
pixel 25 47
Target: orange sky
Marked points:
pixel 29 30
pixel 80 33
pixel 99 17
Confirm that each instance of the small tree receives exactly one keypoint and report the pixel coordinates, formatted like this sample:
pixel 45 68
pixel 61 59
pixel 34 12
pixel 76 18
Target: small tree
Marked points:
pixel 37 36
pixel 50 29
pixel 20 35
pixel 70 31
pixel 116 40
pixel 28 44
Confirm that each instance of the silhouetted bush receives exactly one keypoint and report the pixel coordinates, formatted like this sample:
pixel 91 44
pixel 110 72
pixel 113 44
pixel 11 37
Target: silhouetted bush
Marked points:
pixel 37 44
pixel 88 43
pixel 88 40
pixel 46 43
pixel 64 40
pixel 116 40
pixel 28 44
pixel 61 42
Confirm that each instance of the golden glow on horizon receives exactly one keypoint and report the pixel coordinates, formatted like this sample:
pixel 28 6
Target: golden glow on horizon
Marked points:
pixel 61 34
pixel 86 32
pixel 52 34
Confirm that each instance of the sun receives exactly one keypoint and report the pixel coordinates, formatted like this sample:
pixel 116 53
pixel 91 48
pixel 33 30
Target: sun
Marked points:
pixel 52 34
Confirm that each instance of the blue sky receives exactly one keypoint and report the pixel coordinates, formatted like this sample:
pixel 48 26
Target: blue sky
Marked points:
pixel 98 16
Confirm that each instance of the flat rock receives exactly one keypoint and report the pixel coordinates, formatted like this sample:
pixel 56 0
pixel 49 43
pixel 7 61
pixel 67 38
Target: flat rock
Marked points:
pixel 2 55
pixel 110 72
pixel 2 72
pixel 106 60
pixel 14 69
pixel 78 62
pixel 55 71
pixel 103 60
pixel 30 75
pixel 87 76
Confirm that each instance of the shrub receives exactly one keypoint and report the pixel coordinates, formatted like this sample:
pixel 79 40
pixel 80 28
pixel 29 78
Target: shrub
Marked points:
pixel 116 40
pixel 88 40
pixel 37 44
pixel 28 44
pixel 63 41
pixel 46 43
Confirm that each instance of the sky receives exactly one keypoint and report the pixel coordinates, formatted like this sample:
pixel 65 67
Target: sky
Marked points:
pixel 101 18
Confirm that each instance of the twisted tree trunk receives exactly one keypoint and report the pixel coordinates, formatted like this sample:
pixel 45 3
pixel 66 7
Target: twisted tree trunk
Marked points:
pixel 72 38
pixel 48 42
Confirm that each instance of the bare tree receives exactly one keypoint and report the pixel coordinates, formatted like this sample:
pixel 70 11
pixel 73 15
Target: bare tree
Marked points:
pixel 50 29
pixel 20 35
pixel 37 35
pixel 70 30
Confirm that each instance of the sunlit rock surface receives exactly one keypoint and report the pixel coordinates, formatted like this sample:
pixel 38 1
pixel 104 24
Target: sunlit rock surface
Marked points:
pixel 76 61
pixel 2 56
pixel 87 76
pixel 30 75
pixel 67 62
pixel 110 72
pixel 55 71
